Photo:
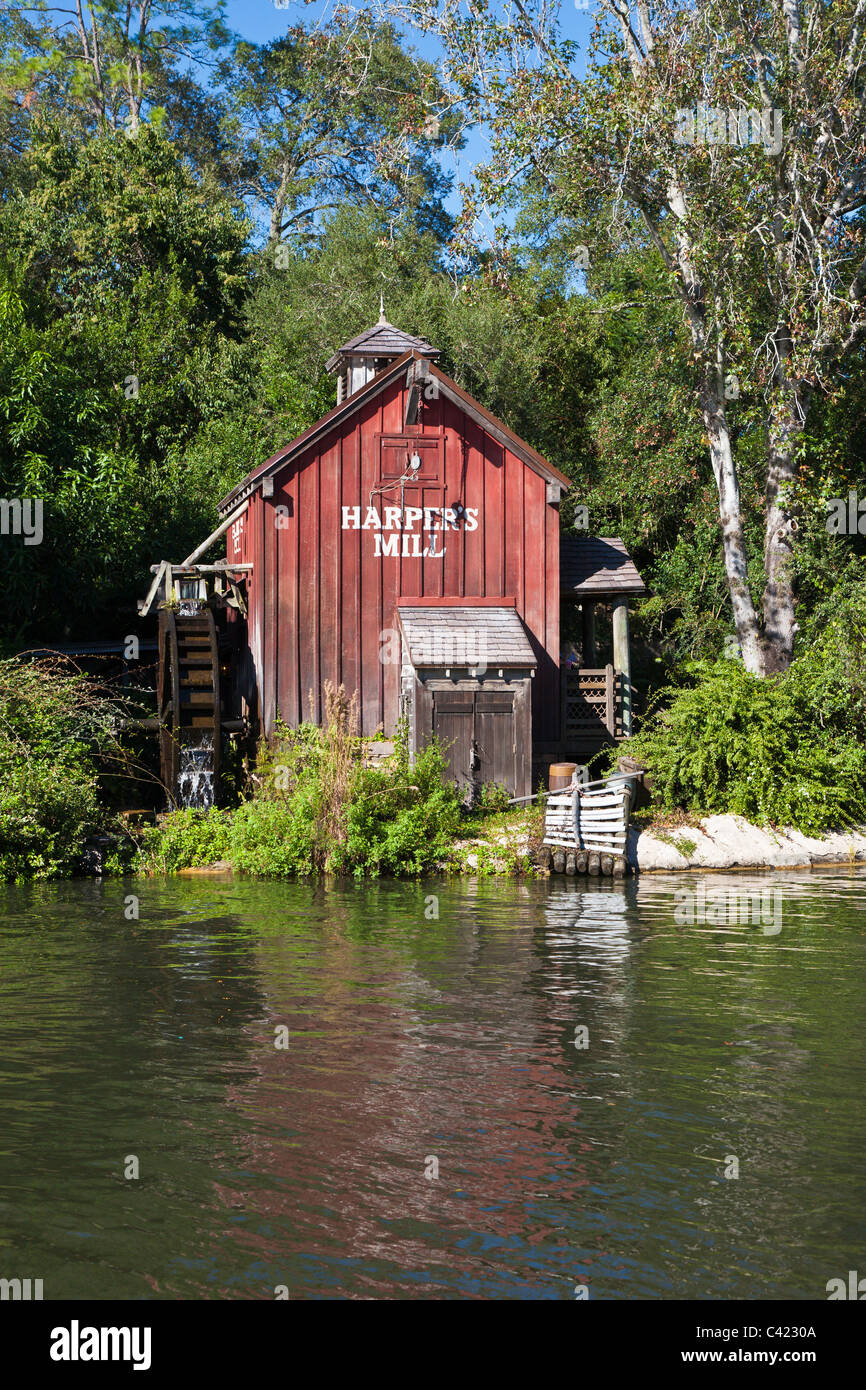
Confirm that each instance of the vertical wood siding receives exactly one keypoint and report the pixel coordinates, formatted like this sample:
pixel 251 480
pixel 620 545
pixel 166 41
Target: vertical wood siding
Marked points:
pixel 321 602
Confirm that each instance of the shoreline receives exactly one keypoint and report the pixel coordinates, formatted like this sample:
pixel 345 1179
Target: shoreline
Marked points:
pixel 731 842
pixel 712 844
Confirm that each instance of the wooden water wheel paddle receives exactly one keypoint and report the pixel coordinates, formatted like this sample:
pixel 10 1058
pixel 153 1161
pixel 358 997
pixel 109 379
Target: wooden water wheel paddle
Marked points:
pixel 188 689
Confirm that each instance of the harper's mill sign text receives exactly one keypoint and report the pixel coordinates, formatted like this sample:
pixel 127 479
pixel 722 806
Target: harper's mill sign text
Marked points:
pixel 404 539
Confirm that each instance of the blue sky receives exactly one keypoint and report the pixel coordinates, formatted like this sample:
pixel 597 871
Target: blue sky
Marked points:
pixel 262 20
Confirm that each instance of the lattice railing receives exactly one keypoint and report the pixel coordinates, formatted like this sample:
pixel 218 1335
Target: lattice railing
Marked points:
pixel 591 707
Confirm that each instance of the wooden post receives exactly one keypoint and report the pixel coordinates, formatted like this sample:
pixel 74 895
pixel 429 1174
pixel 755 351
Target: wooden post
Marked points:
pixel 588 643
pixel 610 700
pixel 215 535
pixel 563 705
pixel 158 572
pixel 622 658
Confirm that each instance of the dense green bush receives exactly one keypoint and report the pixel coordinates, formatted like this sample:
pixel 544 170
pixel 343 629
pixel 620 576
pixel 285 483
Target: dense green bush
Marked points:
pixel 184 839
pixel 788 751
pixel 53 725
pixel 401 820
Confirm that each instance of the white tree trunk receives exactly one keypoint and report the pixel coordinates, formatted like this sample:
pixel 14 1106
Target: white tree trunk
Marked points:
pixel 733 538
pixel 278 209
pixel 780 623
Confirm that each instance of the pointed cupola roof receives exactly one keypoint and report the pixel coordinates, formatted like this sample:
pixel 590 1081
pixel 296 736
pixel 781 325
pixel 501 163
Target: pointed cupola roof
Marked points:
pixel 383 340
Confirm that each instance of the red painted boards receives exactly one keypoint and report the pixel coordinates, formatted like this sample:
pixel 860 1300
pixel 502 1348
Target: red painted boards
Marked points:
pixel 376 511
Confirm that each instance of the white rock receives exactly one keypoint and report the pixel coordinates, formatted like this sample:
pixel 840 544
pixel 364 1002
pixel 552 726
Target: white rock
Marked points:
pixel 726 842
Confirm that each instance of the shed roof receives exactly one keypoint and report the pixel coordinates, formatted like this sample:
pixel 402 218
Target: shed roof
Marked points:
pixel 466 636
pixel 596 566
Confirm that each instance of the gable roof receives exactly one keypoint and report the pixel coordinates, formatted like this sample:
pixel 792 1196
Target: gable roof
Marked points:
pixel 489 423
pixel 347 408
pixel 595 566
pixel 302 441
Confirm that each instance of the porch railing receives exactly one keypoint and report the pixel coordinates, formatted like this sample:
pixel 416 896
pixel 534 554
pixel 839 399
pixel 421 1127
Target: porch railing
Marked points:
pixel 591 707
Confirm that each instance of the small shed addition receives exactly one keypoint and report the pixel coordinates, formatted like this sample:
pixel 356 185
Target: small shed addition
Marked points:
pixel 466 680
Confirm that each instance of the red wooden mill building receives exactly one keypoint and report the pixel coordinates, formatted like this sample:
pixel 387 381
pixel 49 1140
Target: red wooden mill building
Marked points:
pixel 407 546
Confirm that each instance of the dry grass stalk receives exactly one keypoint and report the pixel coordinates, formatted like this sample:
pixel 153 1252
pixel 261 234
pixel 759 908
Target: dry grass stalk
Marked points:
pixel 339 756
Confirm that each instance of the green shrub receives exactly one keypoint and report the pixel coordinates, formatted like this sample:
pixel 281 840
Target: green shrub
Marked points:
pixel 779 751
pixel 183 840
pixel 277 839
pixel 315 807
pixel 46 811
pixel 337 816
pixel 401 820
pixel 55 726
pixel 492 798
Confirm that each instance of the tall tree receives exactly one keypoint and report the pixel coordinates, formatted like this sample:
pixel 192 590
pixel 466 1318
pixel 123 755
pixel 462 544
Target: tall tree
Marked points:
pixel 731 137
pixel 338 113
pixel 122 278
pixel 100 59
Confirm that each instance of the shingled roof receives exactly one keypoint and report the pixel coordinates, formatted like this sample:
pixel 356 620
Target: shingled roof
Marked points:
pixel 466 636
pixel 382 340
pixel 597 566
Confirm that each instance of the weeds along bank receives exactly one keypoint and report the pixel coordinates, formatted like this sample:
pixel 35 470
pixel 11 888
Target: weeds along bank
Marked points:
pixel 265 839
pixel 313 805
pixel 316 806
pixel 60 753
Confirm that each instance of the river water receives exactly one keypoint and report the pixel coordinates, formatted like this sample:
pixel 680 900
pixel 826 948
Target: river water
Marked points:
pixel 332 1091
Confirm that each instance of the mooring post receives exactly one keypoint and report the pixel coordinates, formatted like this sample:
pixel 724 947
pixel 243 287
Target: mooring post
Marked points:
pixel 588 642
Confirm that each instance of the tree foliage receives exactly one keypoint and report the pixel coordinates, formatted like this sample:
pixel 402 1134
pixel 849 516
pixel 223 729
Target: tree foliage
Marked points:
pixel 728 138
pixel 342 113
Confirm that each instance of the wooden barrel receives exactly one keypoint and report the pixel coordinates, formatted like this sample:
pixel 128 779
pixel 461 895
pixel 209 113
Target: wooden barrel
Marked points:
pixel 560 776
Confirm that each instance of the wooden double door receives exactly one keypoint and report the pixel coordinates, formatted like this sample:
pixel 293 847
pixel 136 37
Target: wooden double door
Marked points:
pixel 485 735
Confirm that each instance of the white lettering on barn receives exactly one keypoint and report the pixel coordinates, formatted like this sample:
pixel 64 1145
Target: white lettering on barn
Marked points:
pixel 405 540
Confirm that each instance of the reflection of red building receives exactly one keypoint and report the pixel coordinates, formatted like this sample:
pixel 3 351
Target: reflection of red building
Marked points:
pixel 386 1067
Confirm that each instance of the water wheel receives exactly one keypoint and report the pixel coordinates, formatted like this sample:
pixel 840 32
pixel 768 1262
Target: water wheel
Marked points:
pixel 188 691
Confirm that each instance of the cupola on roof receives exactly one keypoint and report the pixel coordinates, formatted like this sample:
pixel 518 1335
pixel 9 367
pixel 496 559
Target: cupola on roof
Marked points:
pixel 382 342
